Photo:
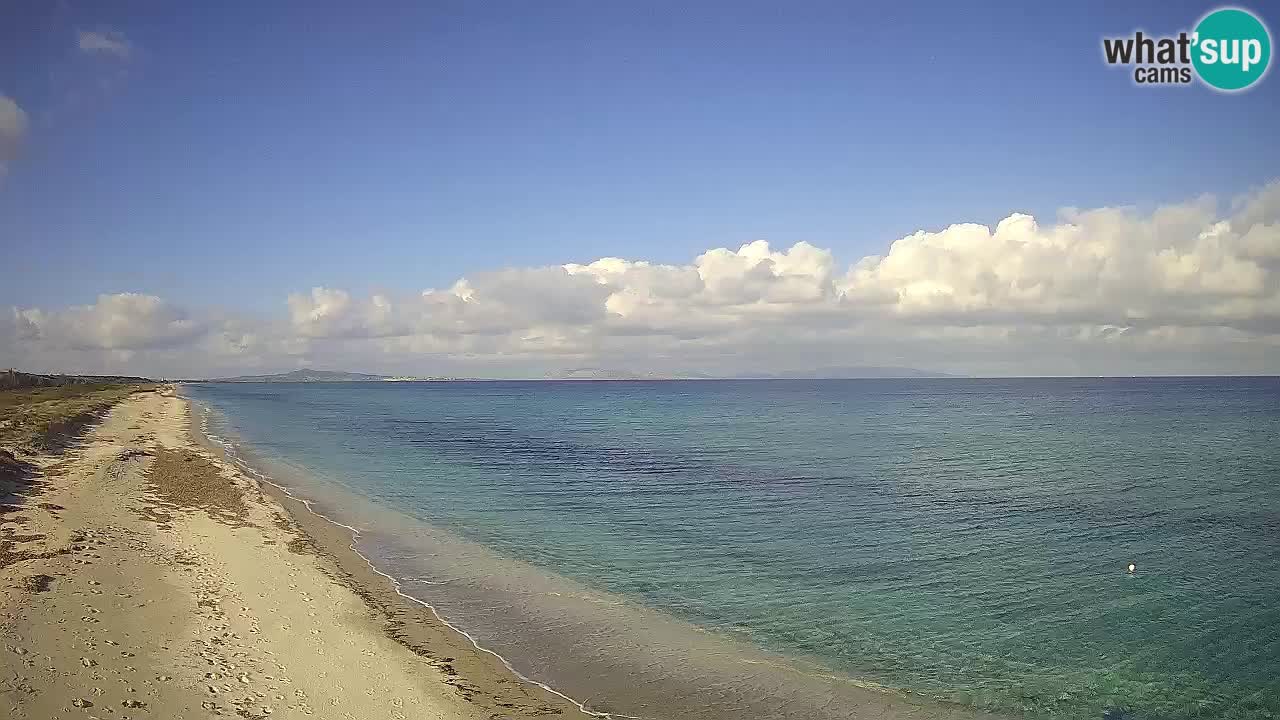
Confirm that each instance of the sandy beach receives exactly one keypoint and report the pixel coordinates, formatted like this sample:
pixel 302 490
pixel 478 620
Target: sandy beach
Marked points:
pixel 142 575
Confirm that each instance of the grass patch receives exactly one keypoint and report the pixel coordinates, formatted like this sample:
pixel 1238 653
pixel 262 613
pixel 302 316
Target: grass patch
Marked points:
pixel 47 418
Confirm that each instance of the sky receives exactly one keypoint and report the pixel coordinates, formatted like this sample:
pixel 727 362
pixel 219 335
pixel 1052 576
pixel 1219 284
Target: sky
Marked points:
pixel 513 188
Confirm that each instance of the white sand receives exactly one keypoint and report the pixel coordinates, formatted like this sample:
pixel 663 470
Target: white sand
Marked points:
pixel 158 610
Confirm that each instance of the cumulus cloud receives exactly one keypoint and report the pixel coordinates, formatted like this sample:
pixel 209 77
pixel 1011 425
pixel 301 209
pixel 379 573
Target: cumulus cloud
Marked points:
pixel 13 128
pixel 126 321
pixel 109 43
pixel 1181 265
pixel 1108 276
pixel 129 333
pixel 1187 287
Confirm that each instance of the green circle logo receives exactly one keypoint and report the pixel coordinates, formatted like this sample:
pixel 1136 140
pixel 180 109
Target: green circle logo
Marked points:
pixel 1232 49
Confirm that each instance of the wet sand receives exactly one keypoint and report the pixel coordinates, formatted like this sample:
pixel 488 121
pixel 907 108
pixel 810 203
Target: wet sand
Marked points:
pixel 143 576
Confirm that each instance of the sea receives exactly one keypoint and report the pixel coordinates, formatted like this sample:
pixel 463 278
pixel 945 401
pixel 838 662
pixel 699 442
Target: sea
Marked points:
pixel 815 549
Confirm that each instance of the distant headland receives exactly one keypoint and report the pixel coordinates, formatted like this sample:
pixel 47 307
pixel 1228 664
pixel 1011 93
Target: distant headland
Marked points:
pixel 308 375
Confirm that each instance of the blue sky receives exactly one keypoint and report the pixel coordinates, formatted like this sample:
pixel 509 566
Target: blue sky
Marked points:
pixel 255 149
pixel 231 154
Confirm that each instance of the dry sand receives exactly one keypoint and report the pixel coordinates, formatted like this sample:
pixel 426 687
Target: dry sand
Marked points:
pixel 143 576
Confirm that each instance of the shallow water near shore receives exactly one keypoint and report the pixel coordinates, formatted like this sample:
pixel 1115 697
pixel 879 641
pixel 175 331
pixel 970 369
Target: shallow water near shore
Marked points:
pixel 769 549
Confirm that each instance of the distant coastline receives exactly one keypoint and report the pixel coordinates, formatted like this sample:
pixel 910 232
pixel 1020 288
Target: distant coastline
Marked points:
pixel 308 375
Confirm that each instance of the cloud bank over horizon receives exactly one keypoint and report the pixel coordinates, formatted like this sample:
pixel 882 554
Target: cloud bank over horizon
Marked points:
pixel 1191 287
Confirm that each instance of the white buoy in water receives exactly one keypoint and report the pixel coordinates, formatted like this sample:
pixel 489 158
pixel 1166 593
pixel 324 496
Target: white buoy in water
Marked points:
pixel 1132 568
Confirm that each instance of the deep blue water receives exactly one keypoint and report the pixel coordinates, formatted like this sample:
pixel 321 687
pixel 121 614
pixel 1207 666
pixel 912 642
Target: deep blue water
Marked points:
pixel 963 539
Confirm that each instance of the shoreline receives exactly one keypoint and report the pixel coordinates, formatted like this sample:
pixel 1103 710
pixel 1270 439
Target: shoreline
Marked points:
pixel 142 575
pixel 419 626
pixel 315 528
pixel 337 541
pixel 203 589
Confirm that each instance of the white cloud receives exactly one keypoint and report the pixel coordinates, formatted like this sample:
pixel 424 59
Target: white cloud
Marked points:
pixel 126 321
pixel 332 313
pixel 1181 265
pixel 1109 275
pixel 104 42
pixel 13 128
pixel 130 333
pixel 1184 288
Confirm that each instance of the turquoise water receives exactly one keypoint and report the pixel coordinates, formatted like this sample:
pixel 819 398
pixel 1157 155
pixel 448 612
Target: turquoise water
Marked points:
pixel 962 539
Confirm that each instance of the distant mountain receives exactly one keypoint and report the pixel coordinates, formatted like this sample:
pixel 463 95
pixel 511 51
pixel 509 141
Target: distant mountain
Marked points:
pixel 850 373
pixel 304 376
